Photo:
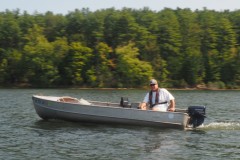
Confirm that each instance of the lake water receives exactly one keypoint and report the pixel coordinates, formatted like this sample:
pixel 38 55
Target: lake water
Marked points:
pixel 23 135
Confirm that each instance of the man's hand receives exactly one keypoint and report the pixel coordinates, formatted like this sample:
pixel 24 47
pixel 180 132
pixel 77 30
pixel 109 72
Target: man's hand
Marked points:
pixel 171 109
pixel 143 106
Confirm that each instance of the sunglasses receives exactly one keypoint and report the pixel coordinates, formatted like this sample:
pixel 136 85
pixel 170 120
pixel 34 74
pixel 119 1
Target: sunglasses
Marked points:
pixel 152 84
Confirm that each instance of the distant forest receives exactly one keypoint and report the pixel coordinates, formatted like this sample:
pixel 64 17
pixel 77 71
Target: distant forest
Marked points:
pixel 120 48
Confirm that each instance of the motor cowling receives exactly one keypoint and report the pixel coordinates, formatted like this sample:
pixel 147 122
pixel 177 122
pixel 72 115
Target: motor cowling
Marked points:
pixel 197 115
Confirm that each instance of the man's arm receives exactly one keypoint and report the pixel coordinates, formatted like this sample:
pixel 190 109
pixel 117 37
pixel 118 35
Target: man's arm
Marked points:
pixel 172 105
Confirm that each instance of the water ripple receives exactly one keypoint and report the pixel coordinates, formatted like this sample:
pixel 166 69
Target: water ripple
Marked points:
pixel 23 135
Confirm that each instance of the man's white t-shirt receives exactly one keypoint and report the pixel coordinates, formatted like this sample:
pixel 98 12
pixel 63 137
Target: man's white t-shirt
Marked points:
pixel 164 96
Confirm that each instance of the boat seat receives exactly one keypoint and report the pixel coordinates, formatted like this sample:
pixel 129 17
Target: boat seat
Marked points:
pixel 68 100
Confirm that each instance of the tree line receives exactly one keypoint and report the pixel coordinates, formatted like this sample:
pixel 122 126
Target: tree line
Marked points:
pixel 120 48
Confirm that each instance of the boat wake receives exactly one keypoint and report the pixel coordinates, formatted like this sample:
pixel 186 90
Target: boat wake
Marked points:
pixel 222 126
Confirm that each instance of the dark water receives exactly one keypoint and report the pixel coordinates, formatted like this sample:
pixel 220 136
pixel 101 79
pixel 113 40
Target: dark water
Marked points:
pixel 23 135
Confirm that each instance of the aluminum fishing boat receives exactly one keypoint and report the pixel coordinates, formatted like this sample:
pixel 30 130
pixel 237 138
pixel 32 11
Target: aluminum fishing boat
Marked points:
pixel 73 109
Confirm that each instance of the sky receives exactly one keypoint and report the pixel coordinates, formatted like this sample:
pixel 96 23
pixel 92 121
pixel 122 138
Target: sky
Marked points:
pixel 66 6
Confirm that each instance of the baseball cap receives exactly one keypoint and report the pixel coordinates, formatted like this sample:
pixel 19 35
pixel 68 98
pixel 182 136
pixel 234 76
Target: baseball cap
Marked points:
pixel 153 81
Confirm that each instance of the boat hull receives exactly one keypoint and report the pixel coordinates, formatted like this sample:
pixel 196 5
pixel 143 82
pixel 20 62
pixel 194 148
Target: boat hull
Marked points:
pixel 50 108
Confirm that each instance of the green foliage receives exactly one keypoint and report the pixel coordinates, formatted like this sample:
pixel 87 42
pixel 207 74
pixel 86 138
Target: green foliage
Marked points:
pixel 75 63
pixel 102 66
pixel 3 70
pixel 39 59
pixel 120 48
pixel 133 72
pixel 10 32
pixel 216 85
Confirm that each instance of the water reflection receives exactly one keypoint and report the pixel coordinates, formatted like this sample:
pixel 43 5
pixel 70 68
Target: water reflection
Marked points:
pixel 198 131
pixel 160 141
pixel 61 124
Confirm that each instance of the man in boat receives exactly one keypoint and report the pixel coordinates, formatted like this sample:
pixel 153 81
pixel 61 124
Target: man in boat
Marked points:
pixel 158 99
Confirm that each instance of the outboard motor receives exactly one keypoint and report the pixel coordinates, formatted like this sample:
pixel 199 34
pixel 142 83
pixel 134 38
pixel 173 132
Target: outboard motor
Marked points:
pixel 197 115
pixel 124 102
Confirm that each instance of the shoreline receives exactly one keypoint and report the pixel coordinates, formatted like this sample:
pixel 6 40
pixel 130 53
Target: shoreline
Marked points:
pixel 143 88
